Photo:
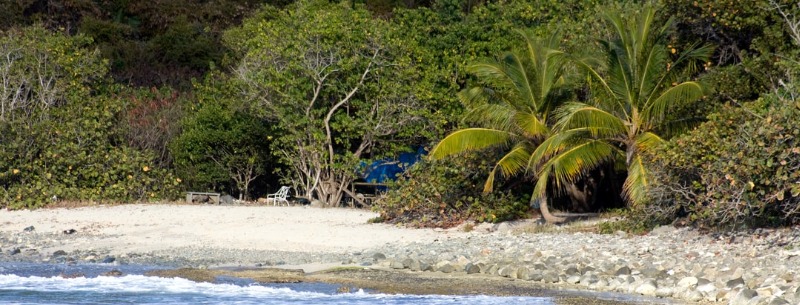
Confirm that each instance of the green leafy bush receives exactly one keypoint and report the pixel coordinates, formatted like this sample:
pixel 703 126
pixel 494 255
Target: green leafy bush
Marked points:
pixel 444 193
pixel 741 168
pixel 61 138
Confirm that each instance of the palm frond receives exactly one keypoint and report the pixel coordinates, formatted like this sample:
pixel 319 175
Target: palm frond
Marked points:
pixel 511 164
pixel 636 184
pixel 493 116
pixel 530 125
pixel 476 96
pixel 470 139
pixel 656 109
pixel 654 65
pixel 576 115
pixel 647 141
pixel 576 160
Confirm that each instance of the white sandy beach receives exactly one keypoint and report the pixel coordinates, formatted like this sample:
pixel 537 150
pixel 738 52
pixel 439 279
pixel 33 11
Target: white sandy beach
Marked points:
pixel 154 227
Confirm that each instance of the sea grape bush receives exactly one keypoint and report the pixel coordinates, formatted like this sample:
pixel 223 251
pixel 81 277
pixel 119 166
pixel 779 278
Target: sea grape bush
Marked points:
pixel 742 167
pixel 61 139
pixel 444 193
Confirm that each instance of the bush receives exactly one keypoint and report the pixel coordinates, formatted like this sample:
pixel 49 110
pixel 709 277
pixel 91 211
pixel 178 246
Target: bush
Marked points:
pixel 741 168
pixel 444 193
pixel 61 137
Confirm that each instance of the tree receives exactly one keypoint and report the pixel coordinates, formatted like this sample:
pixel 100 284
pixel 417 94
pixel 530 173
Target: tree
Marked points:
pixel 337 85
pixel 525 86
pixel 632 93
pixel 59 131
pixel 222 145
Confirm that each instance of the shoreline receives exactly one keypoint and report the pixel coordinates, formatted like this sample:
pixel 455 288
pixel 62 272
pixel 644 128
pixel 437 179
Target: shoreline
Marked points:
pixel 668 263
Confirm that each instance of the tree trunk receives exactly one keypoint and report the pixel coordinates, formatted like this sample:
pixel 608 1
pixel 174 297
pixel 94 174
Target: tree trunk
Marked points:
pixel 543 208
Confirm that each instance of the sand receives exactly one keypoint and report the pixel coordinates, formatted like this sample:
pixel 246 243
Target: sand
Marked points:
pixel 156 227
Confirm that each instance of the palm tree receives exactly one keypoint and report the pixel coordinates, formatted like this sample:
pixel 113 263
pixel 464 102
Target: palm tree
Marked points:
pixel 525 88
pixel 632 94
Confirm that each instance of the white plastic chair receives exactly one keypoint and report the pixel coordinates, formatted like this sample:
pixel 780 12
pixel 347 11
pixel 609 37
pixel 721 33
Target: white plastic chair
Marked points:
pixel 279 196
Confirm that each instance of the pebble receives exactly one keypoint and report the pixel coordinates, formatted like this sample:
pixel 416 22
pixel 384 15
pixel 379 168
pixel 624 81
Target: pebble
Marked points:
pixel 678 263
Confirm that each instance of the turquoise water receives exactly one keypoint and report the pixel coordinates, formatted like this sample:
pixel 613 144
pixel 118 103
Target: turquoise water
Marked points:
pixel 43 284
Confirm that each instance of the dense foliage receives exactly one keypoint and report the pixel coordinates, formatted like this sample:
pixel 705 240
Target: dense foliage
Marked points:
pixel 444 193
pixel 741 168
pixel 118 100
pixel 59 129
pixel 222 145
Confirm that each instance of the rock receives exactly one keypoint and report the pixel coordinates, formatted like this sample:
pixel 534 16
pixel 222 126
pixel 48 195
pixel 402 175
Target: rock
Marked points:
pixel 378 257
pixel 664 292
pixel 550 277
pixel 535 275
pixel 600 284
pixel 58 253
pixel 777 301
pixel 588 279
pixel 113 272
pixel 706 287
pixel 108 259
pixel 473 269
pixel 572 271
pixel 492 269
pixel 735 283
pixel 693 295
pixel 573 279
pixel 586 269
pixel 413 264
pixel 648 288
pixel 744 297
pixel 623 271
pixel 687 282
pixel 28 229
pixel 508 271
pixel 653 273
pixel 396 264
pixel 523 274
pixel 446 268
pixel 765 292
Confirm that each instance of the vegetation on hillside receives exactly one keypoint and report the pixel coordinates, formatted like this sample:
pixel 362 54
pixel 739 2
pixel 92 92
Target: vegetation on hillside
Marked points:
pixel 672 109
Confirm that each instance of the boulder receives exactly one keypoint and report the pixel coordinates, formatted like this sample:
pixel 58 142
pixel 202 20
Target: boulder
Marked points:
pixel 395 264
pixel 113 272
pixel 508 271
pixel 624 270
pixel 735 283
pixel 744 297
pixel 378 257
pixel 471 268
pixel 688 282
pixel 648 288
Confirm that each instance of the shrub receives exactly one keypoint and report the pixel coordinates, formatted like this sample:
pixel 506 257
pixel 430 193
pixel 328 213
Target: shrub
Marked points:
pixel 61 136
pixel 444 193
pixel 741 168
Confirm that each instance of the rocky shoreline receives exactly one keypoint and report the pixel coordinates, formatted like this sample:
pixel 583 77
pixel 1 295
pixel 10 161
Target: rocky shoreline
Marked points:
pixel 757 267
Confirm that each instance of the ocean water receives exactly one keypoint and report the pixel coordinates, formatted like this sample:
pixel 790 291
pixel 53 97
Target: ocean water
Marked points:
pixel 45 284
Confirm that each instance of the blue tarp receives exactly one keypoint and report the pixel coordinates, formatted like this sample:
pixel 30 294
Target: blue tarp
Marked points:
pixel 387 169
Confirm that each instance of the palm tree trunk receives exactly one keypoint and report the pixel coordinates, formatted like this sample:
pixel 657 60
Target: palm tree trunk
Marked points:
pixel 549 218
